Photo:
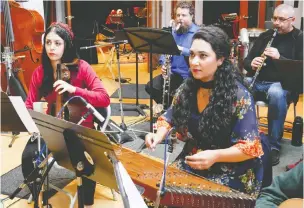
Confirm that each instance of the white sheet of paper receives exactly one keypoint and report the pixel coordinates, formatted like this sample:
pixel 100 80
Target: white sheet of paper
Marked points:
pixel 135 199
pixel 23 113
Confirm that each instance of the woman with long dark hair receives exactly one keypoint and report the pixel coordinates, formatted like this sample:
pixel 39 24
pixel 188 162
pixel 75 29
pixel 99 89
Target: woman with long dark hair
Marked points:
pixel 214 113
pixel 59 48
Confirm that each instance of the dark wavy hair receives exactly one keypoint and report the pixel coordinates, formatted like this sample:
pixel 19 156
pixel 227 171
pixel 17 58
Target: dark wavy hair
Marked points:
pixel 216 119
pixel 69 55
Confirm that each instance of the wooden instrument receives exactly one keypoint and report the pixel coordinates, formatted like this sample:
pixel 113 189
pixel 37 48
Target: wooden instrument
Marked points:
pixel 22 30
pixel 62 73
pixel 182 189
pixel 294 203
pixel 20 75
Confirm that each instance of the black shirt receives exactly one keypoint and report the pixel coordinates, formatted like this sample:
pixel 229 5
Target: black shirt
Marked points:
pixel 290 46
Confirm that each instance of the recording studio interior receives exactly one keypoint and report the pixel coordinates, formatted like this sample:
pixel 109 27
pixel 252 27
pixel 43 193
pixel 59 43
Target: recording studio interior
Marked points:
pixel 165 103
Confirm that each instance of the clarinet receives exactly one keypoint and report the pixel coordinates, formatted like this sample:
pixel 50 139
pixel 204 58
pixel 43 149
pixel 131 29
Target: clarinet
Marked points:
pixel 166 85
pixel 264 58
pixel 167 79
pixel 160 108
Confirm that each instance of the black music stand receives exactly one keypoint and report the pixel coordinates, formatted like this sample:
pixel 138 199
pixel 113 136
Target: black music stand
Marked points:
pixel 150 40
pixel 96 144
pixel 290 74
pixel 14 116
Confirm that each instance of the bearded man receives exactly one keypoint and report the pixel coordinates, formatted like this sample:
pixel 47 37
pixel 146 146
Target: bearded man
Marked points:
pixel 182 32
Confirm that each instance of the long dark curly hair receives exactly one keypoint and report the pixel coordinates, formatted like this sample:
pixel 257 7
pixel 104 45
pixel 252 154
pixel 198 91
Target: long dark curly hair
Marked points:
pixel 69 55
pixel 216 119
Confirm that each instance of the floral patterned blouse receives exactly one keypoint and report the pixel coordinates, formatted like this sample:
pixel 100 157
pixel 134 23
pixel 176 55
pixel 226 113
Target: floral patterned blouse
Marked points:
pixel 245 176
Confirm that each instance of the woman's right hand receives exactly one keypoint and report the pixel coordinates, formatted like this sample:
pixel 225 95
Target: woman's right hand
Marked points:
pixel 152 140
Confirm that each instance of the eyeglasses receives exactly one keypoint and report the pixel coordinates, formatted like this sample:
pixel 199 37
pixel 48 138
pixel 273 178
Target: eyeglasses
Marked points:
pixel 280 19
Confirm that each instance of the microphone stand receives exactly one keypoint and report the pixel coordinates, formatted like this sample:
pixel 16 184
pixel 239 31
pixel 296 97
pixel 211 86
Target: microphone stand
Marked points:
pixel 162 186
pixel 125 137
pixel 138 108
pixel 36 178
pixel 122 128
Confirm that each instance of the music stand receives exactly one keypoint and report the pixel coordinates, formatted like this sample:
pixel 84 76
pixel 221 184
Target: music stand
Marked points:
pixel 96 143
pixel 15 117
pixel 290 74
pixel 150 40
pixel 9 110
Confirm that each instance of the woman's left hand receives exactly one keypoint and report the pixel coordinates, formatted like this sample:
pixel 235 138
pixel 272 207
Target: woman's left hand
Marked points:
pixel 202 160
pixel 64 87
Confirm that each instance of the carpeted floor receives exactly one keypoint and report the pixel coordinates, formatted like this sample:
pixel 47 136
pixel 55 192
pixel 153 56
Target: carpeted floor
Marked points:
pixel 289 154
pixel 129 91
pixel 115 109
pixel 10 181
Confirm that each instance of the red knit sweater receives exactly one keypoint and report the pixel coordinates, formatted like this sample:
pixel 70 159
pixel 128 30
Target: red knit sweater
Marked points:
pixel 87 84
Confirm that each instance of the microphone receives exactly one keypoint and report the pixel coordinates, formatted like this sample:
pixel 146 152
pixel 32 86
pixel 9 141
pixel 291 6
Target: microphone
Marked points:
pixel 119 42
pixel 92 110
pixel 244 36
pixel 104 44
pixel 87 47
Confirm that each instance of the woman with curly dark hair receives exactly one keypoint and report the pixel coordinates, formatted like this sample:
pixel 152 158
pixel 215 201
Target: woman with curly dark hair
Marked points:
pixel 214 113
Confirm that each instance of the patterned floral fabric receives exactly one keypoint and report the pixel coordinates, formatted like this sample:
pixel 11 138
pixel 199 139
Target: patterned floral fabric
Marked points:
pixel 243 176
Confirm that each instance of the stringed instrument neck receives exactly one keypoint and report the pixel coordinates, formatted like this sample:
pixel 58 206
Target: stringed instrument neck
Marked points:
pixel 63 73
pixel 58 97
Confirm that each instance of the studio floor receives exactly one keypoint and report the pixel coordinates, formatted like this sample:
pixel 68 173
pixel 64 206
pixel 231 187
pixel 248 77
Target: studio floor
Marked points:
pixel 11 157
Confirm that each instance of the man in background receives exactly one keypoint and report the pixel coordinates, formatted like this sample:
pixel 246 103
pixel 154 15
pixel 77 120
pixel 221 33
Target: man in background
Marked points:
pixel 183 32
pixel 287 44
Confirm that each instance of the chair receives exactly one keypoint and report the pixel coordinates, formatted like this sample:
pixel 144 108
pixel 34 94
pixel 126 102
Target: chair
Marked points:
pixel 262 102
pixel 105 112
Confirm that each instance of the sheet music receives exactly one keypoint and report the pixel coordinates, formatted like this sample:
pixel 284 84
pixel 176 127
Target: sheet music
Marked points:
pixel 135 199
pixel 23 114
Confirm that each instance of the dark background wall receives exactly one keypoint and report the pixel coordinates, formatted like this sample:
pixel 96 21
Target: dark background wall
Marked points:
pixel 212 11
pixel 90 18
pixel 87 12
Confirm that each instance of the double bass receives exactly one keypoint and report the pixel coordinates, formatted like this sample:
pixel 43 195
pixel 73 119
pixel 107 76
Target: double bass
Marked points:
pixel 21 33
